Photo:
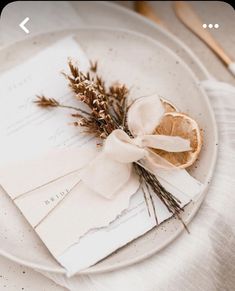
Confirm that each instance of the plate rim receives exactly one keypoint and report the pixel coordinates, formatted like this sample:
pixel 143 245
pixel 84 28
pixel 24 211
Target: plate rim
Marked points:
pixel 102 269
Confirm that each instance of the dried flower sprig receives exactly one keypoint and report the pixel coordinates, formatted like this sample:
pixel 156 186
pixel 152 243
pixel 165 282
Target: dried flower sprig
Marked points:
pixel 107 111
pixel 93 66
pixel 43 101
pixel 92 92
pixel 46 102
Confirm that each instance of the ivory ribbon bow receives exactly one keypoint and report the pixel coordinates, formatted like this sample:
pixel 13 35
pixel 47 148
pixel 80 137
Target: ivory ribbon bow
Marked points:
pixel 111 169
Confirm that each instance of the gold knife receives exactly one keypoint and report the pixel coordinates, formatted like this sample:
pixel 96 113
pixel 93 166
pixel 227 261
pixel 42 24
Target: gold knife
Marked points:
pixel 190 19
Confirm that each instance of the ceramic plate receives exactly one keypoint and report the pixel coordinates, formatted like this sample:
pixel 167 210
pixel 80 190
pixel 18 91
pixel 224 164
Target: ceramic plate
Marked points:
pixel 148 67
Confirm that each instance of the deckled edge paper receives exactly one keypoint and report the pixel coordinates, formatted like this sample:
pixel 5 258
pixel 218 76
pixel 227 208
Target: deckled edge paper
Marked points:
pixel 96 243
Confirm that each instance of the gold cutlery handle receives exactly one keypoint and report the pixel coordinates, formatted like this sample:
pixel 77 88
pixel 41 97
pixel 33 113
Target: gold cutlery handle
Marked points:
pixel 143 8
pixel 193 22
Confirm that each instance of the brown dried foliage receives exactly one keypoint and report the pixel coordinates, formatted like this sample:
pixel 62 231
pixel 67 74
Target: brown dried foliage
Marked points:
pixel 107 110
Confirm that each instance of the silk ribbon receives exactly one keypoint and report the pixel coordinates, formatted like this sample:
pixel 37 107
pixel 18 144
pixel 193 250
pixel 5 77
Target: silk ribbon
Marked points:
pixel 112 167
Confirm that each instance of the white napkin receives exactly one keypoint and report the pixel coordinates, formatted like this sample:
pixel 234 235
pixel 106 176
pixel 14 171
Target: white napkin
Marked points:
pixel 212 223
pixel 232 68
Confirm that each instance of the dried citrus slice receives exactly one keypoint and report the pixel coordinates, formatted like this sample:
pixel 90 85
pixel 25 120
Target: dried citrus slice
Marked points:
pixel 179 124
pixel 168 106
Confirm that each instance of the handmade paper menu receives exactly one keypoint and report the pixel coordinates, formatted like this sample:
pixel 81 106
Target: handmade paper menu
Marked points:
pixel 77 226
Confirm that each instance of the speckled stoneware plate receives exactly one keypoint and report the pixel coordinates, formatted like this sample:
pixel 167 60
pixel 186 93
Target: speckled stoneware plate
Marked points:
pixel 149 67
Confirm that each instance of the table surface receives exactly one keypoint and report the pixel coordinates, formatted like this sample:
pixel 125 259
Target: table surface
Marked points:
pixel 14 277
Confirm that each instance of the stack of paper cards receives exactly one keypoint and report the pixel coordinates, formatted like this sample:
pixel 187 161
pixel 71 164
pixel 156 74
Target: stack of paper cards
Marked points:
pixel 77 226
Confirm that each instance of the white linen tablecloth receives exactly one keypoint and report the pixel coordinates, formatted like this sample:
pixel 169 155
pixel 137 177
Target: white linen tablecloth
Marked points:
pixel 204 260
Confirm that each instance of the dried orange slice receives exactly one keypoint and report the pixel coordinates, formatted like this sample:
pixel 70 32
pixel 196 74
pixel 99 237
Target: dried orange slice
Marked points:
pixel 168 106
pixel 179 124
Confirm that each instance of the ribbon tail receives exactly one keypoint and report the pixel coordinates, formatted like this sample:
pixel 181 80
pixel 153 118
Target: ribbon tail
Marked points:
pixel 164 142
pixel 106 176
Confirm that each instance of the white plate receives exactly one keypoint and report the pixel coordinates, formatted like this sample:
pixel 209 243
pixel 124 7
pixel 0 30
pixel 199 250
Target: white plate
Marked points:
pixel 136 60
